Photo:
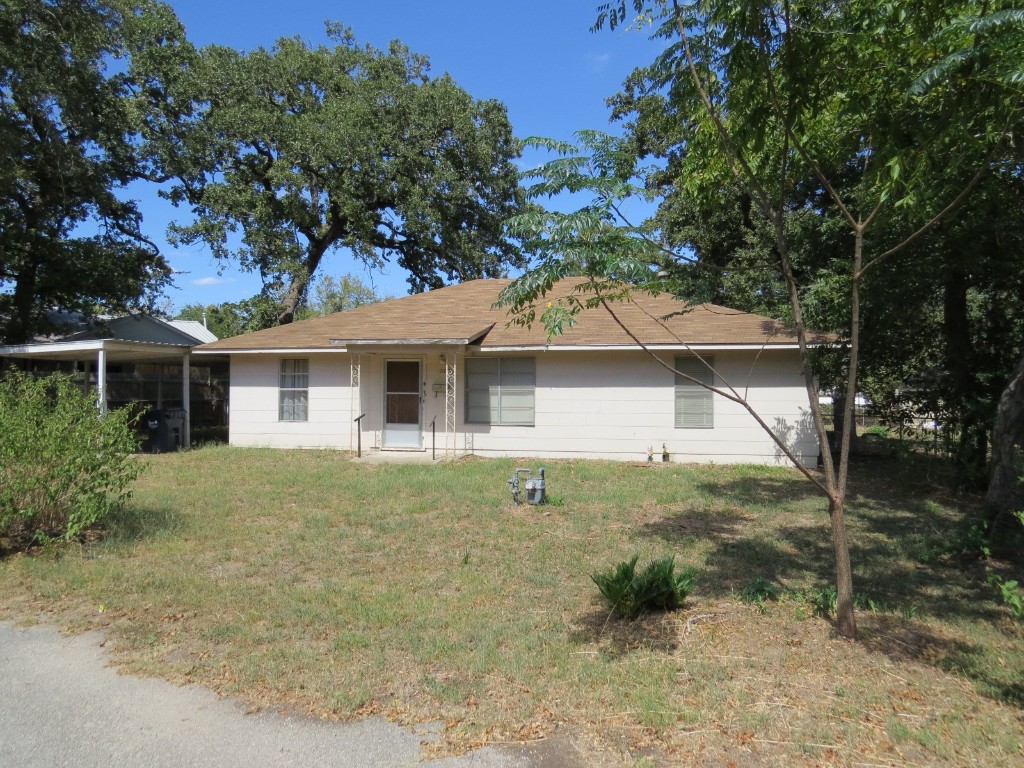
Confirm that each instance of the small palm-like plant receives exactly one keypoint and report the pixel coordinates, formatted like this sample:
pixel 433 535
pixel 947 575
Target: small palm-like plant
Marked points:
pixel 656 588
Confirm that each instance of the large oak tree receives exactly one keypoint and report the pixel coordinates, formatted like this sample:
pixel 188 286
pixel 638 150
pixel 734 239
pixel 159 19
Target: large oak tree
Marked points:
pixel 69 123
pixel 301 150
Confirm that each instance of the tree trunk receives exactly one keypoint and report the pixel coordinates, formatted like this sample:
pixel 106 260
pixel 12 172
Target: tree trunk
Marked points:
pixel 1005 491
pixel 299 285
pixel 21 327
pixel 962 386
pixel 846 621
pixel 290 301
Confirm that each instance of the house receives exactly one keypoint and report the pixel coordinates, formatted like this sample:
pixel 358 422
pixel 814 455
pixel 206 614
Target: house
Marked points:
pixel 445 371
pixel 134 359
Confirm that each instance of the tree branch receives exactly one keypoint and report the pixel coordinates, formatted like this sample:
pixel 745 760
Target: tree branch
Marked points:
pixel 718 391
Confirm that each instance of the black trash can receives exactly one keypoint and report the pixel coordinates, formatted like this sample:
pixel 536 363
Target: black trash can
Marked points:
pixel 166 429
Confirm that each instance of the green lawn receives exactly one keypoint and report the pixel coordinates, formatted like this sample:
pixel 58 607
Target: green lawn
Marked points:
pixel 300 580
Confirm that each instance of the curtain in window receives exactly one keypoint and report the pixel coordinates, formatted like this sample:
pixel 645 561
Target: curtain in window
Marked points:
pixel 293 402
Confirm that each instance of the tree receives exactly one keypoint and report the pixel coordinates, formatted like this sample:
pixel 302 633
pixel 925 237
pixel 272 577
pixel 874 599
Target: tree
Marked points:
pixel 308 149
pixel 337 295
pixel 234 318
pixel 979 57
pixel 1005 496
pixel 262 311
pixel 68 128
pixel 764 99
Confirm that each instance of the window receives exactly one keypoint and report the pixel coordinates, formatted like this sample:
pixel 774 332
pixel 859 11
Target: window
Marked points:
pixel 293 388
pixel 695 406
pixel 500 390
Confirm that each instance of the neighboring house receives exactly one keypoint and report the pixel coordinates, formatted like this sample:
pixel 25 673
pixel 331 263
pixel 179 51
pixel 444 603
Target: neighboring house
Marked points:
pixel 134 359
pixel 446 371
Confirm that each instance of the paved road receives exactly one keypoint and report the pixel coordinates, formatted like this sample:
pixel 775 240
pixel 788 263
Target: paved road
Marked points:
pixel 60 705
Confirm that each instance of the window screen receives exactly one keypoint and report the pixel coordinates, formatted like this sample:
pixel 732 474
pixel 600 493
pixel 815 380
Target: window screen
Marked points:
pixel 695 405
pixel 500 390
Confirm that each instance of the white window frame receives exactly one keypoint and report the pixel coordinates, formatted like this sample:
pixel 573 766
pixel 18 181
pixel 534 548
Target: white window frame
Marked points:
pixel 694 404
pixel 293 382
pixel 498 390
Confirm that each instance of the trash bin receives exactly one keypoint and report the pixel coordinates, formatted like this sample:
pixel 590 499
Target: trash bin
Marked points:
pixel 166 429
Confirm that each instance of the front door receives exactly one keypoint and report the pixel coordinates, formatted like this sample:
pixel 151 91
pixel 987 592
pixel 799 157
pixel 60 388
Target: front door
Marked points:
pixel 402 404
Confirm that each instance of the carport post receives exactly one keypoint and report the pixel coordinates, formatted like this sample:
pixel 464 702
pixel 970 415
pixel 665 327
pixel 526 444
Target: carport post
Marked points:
pixel 101 379
pixel 186 399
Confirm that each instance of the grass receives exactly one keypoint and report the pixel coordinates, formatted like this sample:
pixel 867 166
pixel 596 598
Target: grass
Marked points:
pixel 300 580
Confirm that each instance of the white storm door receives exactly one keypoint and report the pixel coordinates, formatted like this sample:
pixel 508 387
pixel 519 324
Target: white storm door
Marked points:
pixel 402 411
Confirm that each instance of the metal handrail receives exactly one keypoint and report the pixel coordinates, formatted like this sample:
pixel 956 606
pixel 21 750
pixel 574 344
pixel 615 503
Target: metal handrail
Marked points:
pixel 359 435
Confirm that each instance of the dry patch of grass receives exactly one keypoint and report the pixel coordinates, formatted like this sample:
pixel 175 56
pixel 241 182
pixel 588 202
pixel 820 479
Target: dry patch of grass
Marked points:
pixel 302 581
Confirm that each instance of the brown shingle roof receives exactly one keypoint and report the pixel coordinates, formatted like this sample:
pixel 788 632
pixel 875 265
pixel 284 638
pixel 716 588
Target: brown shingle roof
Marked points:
pixel 464 313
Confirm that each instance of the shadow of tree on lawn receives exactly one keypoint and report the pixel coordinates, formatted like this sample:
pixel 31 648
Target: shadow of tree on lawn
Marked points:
pixel 891 517
pixel 616 637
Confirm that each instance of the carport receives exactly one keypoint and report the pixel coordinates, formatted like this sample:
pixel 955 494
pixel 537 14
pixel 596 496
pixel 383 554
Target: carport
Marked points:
pixel 134 340
pixel 99 354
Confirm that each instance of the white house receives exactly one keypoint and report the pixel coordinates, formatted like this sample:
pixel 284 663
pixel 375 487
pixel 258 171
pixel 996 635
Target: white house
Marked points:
pixel 446 371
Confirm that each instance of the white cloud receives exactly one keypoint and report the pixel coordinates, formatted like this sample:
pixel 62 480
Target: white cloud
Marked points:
pixel 211 281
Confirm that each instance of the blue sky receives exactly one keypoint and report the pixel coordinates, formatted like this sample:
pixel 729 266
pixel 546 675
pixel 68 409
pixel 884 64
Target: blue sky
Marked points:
pixel 536 56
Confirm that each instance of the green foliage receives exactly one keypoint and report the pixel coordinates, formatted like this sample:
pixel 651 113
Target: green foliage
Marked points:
pixel 63 467
pixel 825 601
pixel 656 588
pixel 985 48
pixel 69 126
pixel 233 318
pixel 1011 593
pixel 309 149
pixel 972 543
pixel 759 591
pixel 330 294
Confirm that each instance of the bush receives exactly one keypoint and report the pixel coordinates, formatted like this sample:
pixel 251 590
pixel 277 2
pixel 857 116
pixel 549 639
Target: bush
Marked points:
pixel 656 588
pixel 63 468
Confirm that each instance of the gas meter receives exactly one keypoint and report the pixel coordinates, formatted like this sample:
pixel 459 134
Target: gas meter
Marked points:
pixel 535 491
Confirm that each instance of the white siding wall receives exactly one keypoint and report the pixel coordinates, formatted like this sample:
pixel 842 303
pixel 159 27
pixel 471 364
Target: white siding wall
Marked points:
pixel 254 398
pixel 616 405
pixel 588 404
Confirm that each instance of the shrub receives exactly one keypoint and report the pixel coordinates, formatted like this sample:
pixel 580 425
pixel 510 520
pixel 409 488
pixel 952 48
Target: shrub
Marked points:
pixel 63 467
pixel 656 588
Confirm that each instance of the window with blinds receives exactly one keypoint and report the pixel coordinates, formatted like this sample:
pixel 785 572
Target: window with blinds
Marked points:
pixel 293 391
pixel 695 405
pixel 500 390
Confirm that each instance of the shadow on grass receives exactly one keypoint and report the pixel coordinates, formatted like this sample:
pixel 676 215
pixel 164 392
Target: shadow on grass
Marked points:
pixel 910 641
pixel 127 524
pixel 617 637
pixel 727 525
pixel 767 527
pixel 135 523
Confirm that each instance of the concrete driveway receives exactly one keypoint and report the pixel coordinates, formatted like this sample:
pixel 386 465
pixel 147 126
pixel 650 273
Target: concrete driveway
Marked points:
pixel 61 705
